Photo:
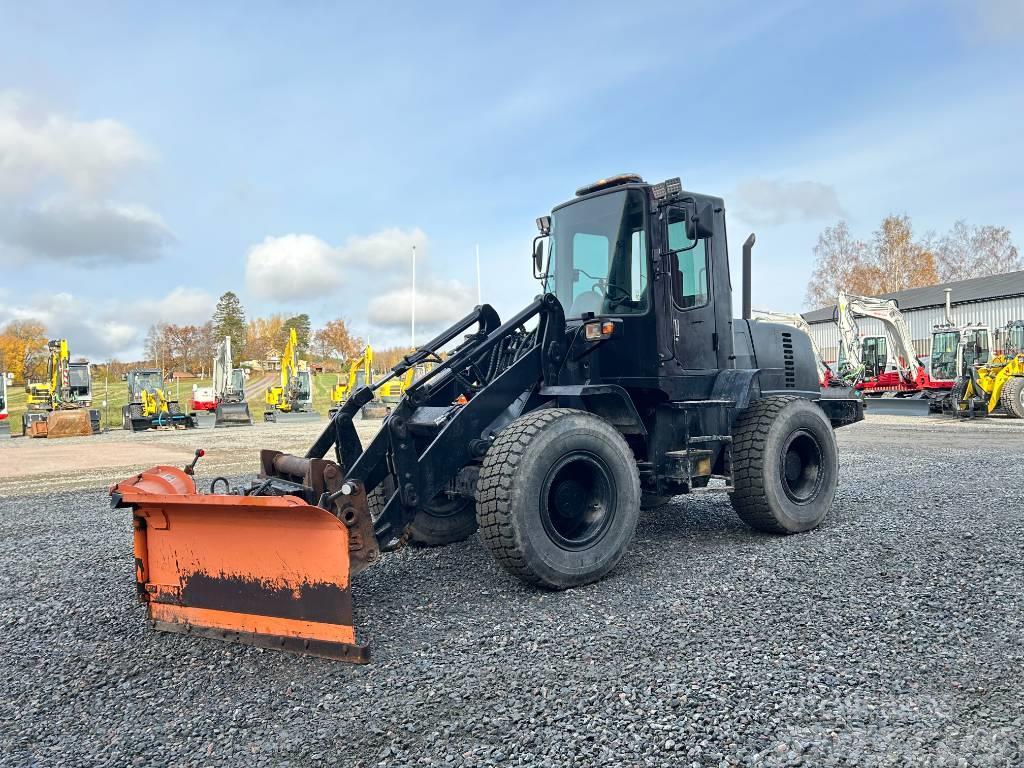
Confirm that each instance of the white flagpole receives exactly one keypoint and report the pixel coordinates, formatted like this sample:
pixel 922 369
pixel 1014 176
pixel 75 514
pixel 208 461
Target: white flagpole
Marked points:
pixel 413 337
pixel 479 300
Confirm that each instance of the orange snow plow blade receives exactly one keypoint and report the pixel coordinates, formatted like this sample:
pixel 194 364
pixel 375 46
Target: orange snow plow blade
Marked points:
pixel 271 571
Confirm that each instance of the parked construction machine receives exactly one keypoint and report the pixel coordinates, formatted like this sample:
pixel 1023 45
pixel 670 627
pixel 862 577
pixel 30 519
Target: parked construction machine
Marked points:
pixel 907 388
pixel 150 405
pixel 625 383
pixel 60 406
pixel 826 376
pixel 6 379
pixel 360 374
pixel 295 392
pixel 231 409
pixel 998 381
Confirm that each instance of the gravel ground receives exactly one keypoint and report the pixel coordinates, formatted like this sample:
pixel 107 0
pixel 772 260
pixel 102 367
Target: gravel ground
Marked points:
pixel 890 636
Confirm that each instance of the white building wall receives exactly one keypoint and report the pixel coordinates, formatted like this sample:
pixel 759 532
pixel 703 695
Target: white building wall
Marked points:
pixel 994 314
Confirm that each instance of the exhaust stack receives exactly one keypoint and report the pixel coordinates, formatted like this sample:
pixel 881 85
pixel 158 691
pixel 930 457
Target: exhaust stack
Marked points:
pixel 748 245
pixel 949 308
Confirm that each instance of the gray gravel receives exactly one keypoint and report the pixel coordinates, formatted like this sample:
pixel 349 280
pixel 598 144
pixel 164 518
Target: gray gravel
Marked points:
pixel 890 636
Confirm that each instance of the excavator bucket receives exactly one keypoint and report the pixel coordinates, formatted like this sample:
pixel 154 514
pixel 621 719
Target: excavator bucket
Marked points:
pixel 232 415
pixel 69 423
pixel 271 571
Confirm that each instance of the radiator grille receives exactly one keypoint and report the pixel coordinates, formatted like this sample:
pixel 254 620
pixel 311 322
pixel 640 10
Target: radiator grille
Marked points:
pixel 787 359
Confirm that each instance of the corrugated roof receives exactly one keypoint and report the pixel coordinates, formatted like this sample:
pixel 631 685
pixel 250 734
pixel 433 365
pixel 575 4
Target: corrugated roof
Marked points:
pixel 964 292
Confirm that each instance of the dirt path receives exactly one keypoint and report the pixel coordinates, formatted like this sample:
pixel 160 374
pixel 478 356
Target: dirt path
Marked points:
pixel 257 385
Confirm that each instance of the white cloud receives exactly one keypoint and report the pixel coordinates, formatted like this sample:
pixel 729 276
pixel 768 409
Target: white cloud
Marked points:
pixel 38 146
pixel 299 267
pixel 99 330
pixel 438 303
pixel 56 173
pixel 776 201
pixel 89 232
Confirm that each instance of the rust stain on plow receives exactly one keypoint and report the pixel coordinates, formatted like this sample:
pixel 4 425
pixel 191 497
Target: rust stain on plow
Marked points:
pixel 327 603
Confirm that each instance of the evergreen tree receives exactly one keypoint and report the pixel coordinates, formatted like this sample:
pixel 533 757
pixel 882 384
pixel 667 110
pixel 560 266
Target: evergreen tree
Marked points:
pixel 229 320
pixel 303 330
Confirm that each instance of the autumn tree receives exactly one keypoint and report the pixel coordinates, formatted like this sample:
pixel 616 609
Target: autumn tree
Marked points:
pixel 229 320
pixel 975 251
pixel 158 346
pixel 263 337
pixel 900 261
pixel 335 340
pixel 23 351
pixel 893 260
pixel 836 254
pixel 386 359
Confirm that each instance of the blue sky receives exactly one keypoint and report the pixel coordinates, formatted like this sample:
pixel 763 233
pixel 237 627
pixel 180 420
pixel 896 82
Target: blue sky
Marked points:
pixel 295 152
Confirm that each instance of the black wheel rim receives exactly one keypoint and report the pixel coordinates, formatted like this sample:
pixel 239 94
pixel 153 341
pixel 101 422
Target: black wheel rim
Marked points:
pixel 577 500
pixel 801 467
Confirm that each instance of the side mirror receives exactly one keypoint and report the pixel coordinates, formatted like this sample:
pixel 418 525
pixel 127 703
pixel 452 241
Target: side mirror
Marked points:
pixel 701 224
pixel 540 257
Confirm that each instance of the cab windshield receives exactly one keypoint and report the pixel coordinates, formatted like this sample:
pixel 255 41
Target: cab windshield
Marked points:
pixel 304 385
pixel 150 381
pixel 1016 338
pixel 597 260
pixel 944 346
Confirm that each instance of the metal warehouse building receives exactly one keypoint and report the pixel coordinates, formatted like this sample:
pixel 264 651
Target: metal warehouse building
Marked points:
pixel 992 301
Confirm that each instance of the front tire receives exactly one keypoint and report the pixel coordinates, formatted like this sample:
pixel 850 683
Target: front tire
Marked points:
pixel 558 498
pixel 785 465
pixel 1012 397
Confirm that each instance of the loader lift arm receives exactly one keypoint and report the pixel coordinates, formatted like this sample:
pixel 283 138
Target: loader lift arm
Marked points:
pixel 471 383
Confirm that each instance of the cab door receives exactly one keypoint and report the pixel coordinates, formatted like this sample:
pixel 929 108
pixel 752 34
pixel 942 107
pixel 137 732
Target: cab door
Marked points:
pixel 694 331
pixel 874 355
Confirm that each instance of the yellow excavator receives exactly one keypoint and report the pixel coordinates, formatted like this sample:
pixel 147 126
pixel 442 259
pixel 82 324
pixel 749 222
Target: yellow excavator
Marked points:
pixel 59 406
pixel 295 392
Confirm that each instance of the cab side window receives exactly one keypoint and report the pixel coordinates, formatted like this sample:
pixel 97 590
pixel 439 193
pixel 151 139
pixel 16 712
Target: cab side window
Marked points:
pixel 690 278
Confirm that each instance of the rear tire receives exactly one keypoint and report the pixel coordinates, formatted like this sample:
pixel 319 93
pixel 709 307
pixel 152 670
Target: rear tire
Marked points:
pixel 445 520
pixel 1012 397
pixel 785 465
pixel 558 498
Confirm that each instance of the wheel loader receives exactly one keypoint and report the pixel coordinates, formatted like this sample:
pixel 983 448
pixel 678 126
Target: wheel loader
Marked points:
pixel 150 405
pixel 625 383
pixel 997 382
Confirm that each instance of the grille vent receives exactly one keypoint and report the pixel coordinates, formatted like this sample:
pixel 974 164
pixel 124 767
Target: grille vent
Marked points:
pixel 787 359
